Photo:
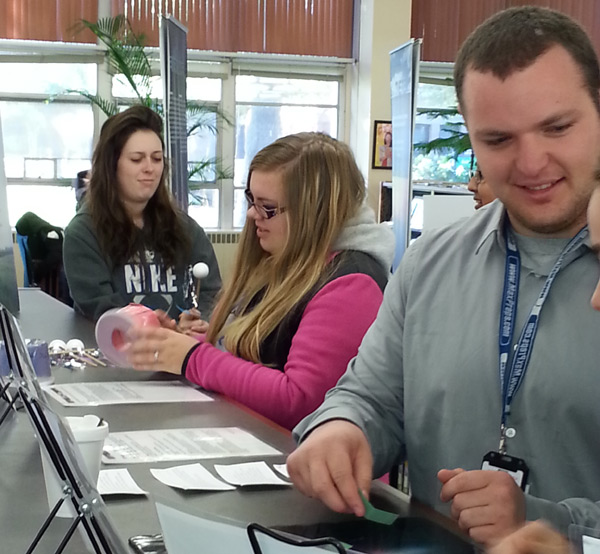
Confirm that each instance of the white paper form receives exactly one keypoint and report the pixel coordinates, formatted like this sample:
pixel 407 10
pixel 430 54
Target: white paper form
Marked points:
pixel 249 473
pixel 181 532
pixel 165 445
pixel 117 481
pixel 125 392
pixel 282 468
pixel 190 477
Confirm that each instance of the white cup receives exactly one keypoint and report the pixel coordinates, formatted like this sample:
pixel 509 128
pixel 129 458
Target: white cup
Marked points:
pixel 89 437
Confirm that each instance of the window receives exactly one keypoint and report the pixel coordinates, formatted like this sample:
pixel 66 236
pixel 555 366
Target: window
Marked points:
pixel 45 142
pixel 47 78
pixel 271 107
pixel 203 160
pixel 439 165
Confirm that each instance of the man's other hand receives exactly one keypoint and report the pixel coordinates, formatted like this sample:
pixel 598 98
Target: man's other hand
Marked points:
pixel 486 504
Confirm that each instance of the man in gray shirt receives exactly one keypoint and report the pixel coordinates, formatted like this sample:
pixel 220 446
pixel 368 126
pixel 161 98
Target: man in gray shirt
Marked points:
pixel 485 352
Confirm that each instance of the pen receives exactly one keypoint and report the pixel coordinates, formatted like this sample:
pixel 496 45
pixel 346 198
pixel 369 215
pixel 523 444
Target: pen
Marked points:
pixel 192 311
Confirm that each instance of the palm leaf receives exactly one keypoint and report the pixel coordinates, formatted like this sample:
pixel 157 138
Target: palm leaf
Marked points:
pixel 201 170
pixel 127 58
pixel 438 112
pixel 202 116
pixel 124 50
pixel 109 107
pixel 458 141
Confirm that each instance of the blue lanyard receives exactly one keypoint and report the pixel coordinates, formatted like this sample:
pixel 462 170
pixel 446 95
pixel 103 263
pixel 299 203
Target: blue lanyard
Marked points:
pixel 511 381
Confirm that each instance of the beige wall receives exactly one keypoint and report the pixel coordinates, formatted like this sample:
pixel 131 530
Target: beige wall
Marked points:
pixel 385 25
pixel 18 264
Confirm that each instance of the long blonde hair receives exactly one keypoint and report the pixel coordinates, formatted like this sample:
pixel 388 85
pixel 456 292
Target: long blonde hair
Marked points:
pixel 323 189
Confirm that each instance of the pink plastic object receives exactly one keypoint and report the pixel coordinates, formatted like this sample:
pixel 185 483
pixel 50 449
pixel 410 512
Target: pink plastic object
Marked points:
pixel 113 326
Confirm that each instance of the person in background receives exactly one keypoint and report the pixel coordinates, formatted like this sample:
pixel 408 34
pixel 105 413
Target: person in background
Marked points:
pixel 80 184
pixel 128 242
pixel 307 283
pixel 385 150
pixel 485 347
pixel 482 193
pixel 42 255
pixel 538 537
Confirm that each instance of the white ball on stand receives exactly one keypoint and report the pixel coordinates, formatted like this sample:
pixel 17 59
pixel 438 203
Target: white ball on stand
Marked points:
pixel 200 270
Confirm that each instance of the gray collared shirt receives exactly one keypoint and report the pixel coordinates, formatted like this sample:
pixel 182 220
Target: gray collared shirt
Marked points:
pixel 426 376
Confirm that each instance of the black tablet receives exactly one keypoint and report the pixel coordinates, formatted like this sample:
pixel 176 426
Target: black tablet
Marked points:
pixel 414 535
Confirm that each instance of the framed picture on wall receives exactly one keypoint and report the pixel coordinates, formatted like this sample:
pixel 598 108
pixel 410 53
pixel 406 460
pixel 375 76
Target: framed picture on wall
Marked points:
pixel 382 145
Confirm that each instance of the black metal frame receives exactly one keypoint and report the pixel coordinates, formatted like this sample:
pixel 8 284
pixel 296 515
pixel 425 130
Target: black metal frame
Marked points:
pixel 61 448
pixel 254 528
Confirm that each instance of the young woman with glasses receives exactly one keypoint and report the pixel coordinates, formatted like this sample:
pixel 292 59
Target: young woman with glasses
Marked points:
pixel 307 283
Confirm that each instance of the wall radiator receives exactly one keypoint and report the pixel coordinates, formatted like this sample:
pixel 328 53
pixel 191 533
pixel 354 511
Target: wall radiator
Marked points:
pixel 225 244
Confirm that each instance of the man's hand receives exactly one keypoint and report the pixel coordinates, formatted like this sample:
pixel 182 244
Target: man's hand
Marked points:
pixel 534 538
pixel 332 464
pixel 487 504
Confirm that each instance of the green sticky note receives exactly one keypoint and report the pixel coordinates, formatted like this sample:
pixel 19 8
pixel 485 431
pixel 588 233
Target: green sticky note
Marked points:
pixel 375 514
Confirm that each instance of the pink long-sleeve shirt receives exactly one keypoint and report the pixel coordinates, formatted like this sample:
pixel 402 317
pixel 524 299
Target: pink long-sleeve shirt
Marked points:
pixel 330 332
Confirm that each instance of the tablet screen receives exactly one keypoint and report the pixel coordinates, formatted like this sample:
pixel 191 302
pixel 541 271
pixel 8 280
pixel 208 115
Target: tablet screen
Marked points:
pixel 412 535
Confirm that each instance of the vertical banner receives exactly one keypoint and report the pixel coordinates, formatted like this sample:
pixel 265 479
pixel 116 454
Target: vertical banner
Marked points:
pixel 173 69
pixel 404 78
pixel 9 295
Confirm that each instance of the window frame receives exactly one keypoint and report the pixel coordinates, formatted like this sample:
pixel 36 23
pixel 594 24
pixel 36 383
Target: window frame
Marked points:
pixel 200 64
pixel 64 99
pixel 285 73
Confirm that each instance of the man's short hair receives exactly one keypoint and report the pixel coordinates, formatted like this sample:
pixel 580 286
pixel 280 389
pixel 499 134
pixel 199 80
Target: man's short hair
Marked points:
pixel 513 39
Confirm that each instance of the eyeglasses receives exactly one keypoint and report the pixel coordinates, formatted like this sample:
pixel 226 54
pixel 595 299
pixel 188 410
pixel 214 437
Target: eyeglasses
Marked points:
pixel 267 212
pixel 476 175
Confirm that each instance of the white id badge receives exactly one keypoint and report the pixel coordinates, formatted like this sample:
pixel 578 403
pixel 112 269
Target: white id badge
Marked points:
pixel 515 467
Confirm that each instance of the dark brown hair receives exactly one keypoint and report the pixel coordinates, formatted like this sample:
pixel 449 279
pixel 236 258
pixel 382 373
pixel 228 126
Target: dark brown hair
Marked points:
pixel 513 39
pixel 117 235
